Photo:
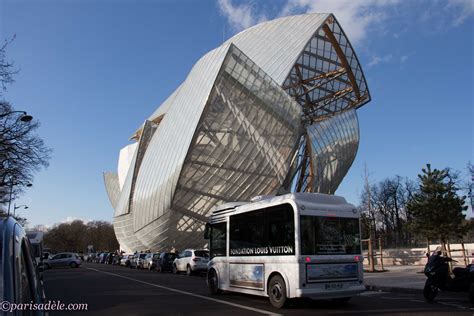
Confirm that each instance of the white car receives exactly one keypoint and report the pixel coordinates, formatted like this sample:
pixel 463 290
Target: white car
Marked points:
pixel 191 261
pixel 137 261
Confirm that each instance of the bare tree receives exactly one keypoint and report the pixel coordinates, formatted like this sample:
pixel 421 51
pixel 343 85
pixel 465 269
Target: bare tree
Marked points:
pixel 7 69
pixel 387 212
pixel 77 235
pixel 22 151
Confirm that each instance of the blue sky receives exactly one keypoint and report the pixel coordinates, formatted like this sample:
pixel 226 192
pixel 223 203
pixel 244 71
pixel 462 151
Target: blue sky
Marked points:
pixel 92 71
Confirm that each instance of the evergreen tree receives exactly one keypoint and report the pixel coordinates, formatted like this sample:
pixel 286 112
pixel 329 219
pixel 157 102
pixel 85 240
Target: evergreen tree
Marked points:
pixel 436 210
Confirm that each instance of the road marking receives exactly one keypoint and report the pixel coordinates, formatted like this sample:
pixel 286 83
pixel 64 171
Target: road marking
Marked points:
pixel 418 301
pixel 395 298
pixel 452 305
pixel 261 311
pixel 371 293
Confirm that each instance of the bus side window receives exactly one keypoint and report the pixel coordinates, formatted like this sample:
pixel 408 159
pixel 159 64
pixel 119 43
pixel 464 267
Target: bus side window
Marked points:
pixel 281 228
pixel 247 230
pixel 218 240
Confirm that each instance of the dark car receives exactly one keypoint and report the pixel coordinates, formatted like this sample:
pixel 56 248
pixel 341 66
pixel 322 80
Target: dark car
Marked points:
pixel 116 260
pixel 20 279
pixel 97 257
pixel 165 262
pixel 110 258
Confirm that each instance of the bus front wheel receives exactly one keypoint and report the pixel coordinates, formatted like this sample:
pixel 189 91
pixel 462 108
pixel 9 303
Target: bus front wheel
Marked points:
pixel 213 282
pixel 277 291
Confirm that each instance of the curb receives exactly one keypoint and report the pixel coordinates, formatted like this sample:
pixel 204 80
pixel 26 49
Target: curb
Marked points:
pixel 393 289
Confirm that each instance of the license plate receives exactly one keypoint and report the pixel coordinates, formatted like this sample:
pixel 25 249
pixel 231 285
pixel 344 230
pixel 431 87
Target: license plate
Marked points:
pixel 333 286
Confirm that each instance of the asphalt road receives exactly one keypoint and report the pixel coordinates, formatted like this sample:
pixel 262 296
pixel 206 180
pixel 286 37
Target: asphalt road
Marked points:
pixel 113 290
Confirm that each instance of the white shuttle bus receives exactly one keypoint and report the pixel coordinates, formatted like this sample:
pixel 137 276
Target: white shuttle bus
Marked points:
pixel 288 246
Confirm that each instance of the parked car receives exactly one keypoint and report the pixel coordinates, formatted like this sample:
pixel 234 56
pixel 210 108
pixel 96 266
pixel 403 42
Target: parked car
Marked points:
pixel 63 259
pixel 150 260
pixel 110 258
pixel 165 261
pixel 137 261
pixel 191 261
pixel 97 257
pixel 126 260
pixel 20 276
pixel 116 260
pixel 103 257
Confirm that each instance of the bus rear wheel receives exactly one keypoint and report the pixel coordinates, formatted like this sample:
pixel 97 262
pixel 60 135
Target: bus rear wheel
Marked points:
pixel 213 282
pixel 277 291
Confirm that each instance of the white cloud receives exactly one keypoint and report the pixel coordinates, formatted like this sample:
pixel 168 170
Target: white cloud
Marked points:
pixel 71 219
pixel 404 57
pixel 375 60
pixel 239 16
pixel 462 10
pixel 356 17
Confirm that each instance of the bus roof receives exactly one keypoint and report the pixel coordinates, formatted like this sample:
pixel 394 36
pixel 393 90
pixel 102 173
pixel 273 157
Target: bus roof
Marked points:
pixel 35 237
pixel 304 200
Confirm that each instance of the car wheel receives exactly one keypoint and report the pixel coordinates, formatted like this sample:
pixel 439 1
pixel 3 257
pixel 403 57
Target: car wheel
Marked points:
pixel 430 291
pixel 277 291
pixel 175 270
pixel 73 265
pixel 213 282
pixel 46 266
pixel 189 271
pixel 158 269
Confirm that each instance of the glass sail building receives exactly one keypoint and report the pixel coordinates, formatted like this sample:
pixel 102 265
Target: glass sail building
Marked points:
pixel 272 110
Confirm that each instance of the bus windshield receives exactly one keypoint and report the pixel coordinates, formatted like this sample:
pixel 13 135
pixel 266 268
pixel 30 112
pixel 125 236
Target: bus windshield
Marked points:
pixel 329 235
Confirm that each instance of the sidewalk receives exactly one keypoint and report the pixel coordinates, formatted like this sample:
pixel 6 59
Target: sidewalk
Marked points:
pixel 404 279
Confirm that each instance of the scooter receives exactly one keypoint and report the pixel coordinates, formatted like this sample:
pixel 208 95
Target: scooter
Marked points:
pixel 437 271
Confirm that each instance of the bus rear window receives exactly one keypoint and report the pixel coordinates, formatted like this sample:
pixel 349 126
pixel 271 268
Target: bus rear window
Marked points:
pixel 329 235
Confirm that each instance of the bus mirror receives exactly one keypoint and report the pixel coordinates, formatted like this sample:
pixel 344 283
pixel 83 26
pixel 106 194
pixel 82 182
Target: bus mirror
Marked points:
pixel 207 231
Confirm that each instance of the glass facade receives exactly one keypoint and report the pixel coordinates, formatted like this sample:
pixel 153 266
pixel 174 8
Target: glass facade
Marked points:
pixel 271 110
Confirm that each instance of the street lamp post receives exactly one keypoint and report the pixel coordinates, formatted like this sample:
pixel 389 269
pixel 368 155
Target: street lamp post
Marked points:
pixel 24 118
pixel 12 184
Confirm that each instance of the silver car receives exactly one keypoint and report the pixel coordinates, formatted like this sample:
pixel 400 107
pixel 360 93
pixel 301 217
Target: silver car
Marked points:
pixel 137 261
pixel 63 259
pixel 150 261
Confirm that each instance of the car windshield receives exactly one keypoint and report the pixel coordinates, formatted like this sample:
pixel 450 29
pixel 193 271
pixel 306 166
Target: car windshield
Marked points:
pixel 201 253
pixel 143 255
